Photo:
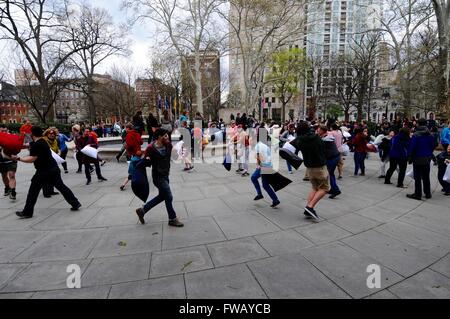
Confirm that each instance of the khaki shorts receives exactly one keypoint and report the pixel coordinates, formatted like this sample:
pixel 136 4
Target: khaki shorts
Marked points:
pixel 318 177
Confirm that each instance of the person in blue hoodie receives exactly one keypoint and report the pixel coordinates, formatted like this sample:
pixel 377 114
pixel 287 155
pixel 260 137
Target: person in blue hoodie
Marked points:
pixel 398 156
pixel 62 139
pixel 445 136
pixel 420 153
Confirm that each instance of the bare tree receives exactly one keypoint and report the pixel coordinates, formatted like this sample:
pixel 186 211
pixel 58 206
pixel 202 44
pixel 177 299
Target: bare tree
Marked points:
pixel 362 61
pixel 442 11
pixel 100 39
pixel 257 30
pixel 41 32
pixel 190 27
pixel 402 20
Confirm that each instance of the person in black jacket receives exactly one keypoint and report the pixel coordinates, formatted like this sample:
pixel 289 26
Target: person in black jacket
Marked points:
pixel 313 150
pixel 152 124
pixel 158 155
pixel 47 172
pixel 333 156
pixel 138 122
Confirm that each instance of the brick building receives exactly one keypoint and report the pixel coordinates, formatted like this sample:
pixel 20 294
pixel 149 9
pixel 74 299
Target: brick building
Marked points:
pixel 12 110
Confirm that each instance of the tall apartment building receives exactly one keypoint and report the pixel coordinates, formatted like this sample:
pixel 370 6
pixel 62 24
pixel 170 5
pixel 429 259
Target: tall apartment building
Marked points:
pixel 331 28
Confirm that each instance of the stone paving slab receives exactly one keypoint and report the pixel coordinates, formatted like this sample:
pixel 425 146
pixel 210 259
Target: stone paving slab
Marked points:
pixel 112 200
pixel 12 243
pixel 67 220
pixel 431 217
pixel 285 215
pixel 284 242
pixel 12 222
pixel 380 214
pixel 417 237
pixel 207 207
pixel 248 224
pixel 197 231
pixel 231 246
pixel 384 294
pixel 236 251
pixel 442 266
pixel 100 292
pixel 20 295
pixel 404 259
pixel 128 240
pixel 160 288
pixel 354 223
pixel 174 262
pixel 43 276
pixel 116 269
pixel 61 245
pixel 292 276
pixel 347 268
pixel 231 282
pixel 427 284
pixel 323 232
pixel 243 202
pixel 8 271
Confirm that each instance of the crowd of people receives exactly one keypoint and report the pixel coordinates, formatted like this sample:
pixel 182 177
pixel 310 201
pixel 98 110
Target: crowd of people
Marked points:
pixel 322 146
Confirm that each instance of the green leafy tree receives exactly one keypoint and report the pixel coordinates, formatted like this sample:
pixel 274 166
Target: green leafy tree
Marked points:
pixel 287 68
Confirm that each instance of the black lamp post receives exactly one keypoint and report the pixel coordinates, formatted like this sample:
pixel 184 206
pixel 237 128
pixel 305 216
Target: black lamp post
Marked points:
pixel 386 97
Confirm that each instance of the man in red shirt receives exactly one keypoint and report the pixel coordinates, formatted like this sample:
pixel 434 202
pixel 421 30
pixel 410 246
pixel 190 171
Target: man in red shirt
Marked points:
pixel 25 129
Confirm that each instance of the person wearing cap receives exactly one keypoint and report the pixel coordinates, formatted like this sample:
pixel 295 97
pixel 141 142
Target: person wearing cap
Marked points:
pixel 47 171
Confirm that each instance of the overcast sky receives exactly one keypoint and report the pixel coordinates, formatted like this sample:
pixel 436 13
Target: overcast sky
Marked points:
pixel 141 36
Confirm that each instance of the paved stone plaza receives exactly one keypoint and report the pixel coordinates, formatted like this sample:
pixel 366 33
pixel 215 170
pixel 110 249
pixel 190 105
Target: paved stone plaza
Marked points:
pixel 231 246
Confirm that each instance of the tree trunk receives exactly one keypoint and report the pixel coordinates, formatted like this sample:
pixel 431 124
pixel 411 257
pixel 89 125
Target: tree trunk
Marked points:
pixel 442 103
pixel 347 114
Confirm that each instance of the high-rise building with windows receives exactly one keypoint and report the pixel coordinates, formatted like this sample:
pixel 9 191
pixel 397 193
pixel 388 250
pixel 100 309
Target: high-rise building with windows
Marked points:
pixel 333 25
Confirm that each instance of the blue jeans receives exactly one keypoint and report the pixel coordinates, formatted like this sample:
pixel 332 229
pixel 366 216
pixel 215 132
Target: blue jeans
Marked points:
pixel 255 176
pixel 359 158
pixel 165 194
pixel 331 165
pixel 289 166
